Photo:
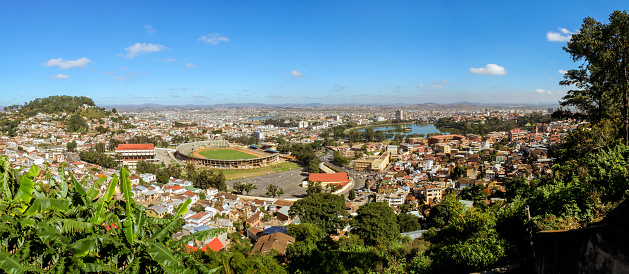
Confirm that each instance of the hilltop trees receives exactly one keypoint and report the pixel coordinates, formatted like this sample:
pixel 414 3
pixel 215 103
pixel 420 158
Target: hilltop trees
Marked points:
pixel 76 123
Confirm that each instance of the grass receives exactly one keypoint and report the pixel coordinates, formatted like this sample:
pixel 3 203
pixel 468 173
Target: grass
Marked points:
pixel 231 174
pixel 226 154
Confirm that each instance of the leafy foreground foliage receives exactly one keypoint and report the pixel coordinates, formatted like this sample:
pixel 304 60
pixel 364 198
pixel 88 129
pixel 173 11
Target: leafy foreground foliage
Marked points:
pixel 58 226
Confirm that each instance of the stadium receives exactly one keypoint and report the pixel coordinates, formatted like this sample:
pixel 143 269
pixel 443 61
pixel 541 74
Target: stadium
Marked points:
pixel 220 154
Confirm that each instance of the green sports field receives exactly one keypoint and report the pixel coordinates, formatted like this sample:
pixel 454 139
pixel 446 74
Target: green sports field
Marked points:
pixel 226 154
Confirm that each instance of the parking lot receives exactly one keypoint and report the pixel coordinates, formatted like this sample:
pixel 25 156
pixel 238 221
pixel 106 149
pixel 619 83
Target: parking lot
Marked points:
pixel 290 181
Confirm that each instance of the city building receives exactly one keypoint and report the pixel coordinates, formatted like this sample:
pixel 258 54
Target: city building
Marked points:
pixel 130 154
pixel 374 163
pixel 399 114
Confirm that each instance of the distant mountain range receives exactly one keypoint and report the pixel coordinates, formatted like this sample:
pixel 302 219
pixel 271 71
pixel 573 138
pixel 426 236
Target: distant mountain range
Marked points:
pixel 145 107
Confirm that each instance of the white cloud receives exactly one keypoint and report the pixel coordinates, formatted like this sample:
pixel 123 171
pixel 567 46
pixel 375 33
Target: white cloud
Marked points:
pixel 197 96
pixel 296 73
pixel 213 38
pixel 339 87
pixel 149 29
pixel 437 86
pixel 142 48
pixel 280 96
pixel 60 76
pixel 170 60
pixel 563 71
pixel 443 83
pixel 490 69
pixel 66 64
pixel 564 36
pixel 542 91
pixel 191 65
pixel 121 78
pixel 420 85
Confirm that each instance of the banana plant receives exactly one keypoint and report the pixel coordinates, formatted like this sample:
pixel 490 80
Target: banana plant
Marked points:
pixel 66 230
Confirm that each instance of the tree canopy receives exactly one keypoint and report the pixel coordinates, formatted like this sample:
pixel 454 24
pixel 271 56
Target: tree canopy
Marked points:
pixel 322 209
pixel 376 223
pixel 602 80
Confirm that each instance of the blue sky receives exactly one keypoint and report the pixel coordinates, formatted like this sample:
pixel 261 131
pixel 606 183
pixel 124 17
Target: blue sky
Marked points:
pixel 276 52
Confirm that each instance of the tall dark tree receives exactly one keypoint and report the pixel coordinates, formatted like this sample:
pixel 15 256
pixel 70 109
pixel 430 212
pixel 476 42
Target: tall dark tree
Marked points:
pixel 602 80
pixel 322 209
pixel 376 223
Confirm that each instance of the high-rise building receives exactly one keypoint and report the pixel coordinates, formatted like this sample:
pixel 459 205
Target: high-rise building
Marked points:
pixel 399 114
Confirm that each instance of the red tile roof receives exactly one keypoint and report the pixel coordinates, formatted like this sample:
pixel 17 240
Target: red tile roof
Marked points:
pixel 215 245
pixel 135 147
pixel 197 216
pixel 328 177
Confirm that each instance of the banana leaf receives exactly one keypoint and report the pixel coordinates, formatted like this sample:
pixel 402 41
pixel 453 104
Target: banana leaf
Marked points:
pixel 63 183
pixel 78 187
pixel 167 230
pixel 25 192
pixel 93 191
pixel 41 205
pixel 127 228
pixel 4 177
pixel 183 208
pixel 165 258
pixel 10 265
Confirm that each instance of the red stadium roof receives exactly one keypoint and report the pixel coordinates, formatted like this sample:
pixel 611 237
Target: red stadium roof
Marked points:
pixel 135 147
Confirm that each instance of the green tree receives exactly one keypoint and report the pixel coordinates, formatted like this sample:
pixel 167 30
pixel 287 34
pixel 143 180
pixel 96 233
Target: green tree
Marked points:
pixel 273 191
pixel 603 80
pixel 408 222
pixel 441 214
pixel 249 187
pixel 146 167
pixel 322 209
pixel 76 123
pixel 352 195
pixel 239 187
pixel 376 223
pixel 340 159
pixel 71 146
pixel 314 187
pixel 206 179
pixel 468 243
pixel 306 232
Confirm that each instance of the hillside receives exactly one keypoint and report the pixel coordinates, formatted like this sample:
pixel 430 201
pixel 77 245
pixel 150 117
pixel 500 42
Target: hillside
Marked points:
pixel 63 103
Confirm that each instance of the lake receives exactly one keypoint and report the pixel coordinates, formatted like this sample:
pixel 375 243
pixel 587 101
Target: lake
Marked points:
pixel 261 118
pixel 415 128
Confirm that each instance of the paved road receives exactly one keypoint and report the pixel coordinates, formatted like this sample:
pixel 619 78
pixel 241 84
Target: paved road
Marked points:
pixel 290 181
pixel 167 157
pixel 358 176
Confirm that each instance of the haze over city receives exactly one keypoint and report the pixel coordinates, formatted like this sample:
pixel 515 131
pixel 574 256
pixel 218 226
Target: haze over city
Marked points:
pixel 288 52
